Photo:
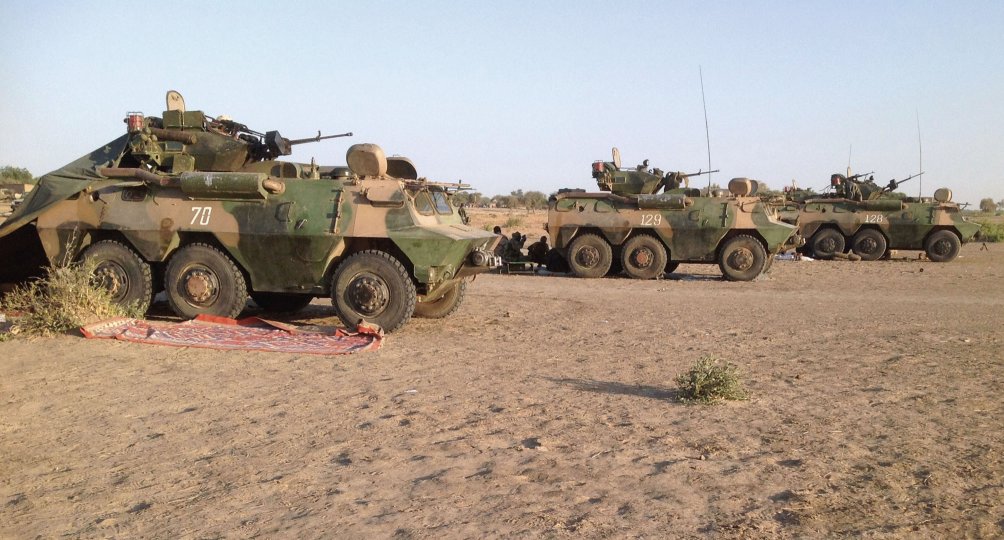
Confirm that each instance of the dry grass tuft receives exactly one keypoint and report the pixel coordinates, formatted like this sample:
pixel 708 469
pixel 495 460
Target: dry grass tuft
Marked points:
pixel 709 381
pixel 64 299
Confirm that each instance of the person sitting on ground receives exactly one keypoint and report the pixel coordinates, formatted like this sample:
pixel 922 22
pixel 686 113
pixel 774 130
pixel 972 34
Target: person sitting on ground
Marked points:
pixel 500 248
pixel 537 252
pixel 514 249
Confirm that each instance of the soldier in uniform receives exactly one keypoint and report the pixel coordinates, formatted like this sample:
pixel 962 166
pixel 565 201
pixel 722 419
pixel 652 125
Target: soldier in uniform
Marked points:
pixel 503 244
pixel 514 249
pixel 537 252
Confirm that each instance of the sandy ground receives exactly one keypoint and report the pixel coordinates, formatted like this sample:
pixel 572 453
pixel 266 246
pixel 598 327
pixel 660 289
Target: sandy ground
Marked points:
pixel 544 408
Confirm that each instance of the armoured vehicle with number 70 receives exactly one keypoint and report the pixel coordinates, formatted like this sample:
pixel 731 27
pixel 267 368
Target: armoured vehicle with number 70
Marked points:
pixel 201 208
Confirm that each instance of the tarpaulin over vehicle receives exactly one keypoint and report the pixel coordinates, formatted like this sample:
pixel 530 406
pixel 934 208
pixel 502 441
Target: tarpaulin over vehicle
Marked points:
pixel 64 183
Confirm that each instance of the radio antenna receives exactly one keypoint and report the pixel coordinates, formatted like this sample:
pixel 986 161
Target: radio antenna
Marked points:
pixel 920 147
pixel 849 148
pixel 707 133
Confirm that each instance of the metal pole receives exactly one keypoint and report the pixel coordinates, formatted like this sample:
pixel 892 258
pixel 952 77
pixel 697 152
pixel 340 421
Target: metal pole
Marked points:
pixel 707 133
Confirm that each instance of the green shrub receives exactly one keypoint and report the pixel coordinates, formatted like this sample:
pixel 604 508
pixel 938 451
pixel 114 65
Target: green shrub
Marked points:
pixel 708 381
pixel 64 299
pixel 513 221
pixel 991 232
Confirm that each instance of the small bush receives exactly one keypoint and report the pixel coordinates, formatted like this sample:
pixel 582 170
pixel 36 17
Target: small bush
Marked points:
pixel 513 221
pixel 64 299
pixel 991 232
pixel 709 381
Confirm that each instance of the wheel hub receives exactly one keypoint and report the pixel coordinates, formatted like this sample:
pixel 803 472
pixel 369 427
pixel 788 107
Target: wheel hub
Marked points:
pixel 200 286
pixel 113 278
pixel 642 258
pixel 867 245
pixel 588 257
pixel 368 295
pixel 942 247
pixel 741 259
pixel 828 245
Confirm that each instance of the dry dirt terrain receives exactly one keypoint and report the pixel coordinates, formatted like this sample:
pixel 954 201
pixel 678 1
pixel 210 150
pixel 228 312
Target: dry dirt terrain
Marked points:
pixel 545 407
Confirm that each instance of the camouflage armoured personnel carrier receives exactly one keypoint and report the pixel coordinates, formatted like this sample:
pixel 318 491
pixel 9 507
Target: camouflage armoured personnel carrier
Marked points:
pixel 201 208
pixel 860 216
pixel 632 226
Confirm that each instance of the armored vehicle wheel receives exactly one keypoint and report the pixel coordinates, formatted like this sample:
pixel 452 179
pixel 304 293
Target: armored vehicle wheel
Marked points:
pixel 201 280
pixel 742 258
pixel 826 243
pixel 942 246
pixel 870 244
pixel 589 256
pixel 444 306
pixel 120 270
pixel 671 267
pixel 643 257
pixel 281 302
pixel 374 287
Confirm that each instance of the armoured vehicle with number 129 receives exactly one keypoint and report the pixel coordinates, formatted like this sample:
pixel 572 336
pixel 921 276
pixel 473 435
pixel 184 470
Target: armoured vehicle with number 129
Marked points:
pixel 647 223
pixel 201 208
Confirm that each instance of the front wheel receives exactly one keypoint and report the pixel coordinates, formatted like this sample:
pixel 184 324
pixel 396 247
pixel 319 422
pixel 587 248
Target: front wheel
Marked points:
pixel 742 258
pixel 122 272
pixel 201 280
pixel 942 246
pixel 445 305
pixel 827 243
pixel 643 257
pixel 374 287
pixel 870 244
pixel 590 256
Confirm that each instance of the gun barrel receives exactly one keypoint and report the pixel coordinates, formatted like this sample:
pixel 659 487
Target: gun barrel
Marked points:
pixel 698 173
pixel 319 138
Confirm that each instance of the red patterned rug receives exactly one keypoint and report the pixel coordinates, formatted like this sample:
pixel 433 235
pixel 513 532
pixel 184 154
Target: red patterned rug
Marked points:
pixel 250 334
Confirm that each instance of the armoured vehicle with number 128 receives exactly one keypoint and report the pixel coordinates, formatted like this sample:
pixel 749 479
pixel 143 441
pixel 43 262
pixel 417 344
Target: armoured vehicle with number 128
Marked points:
pixel 861 217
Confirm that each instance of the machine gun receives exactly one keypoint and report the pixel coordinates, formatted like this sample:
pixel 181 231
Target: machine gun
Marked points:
pixel 673 180
pixel 893 184
pixel 856 176
pixel 264 146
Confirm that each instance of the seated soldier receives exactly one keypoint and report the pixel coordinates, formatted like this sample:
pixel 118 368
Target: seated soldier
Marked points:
pixel 537 252
pixel 503 242
pixel 514 249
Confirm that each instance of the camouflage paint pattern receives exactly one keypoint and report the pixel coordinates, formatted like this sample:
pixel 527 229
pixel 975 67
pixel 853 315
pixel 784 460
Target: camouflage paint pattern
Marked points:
pixel 189 179
pixel 691 227
pixel 905 224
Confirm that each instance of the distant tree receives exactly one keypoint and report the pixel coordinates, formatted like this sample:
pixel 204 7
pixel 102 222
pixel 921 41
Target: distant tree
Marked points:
pixel 534 200
pixel 15 175
pixel 1000 205
pixel 988 205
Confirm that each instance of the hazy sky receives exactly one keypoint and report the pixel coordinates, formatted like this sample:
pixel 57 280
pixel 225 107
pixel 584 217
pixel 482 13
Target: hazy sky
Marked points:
pixel 508 95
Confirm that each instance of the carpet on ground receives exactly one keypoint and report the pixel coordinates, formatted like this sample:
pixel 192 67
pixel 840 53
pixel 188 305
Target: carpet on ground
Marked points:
pixel 250 334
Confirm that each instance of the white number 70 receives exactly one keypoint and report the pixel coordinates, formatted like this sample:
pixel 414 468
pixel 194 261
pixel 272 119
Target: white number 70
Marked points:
pixel 201 214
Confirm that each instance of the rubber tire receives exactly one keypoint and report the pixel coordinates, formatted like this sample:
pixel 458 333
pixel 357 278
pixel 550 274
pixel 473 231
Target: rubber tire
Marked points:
pixel 732 247
pixel 232 295
pixel 866 236
pixel 656 251
pixel 942 246
pixel 391 274
pixel 445 305
pixel 281 302
pixel 112 256
pixel 769 264
pixel 827 236
pixel 671 266
pixel 582 245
